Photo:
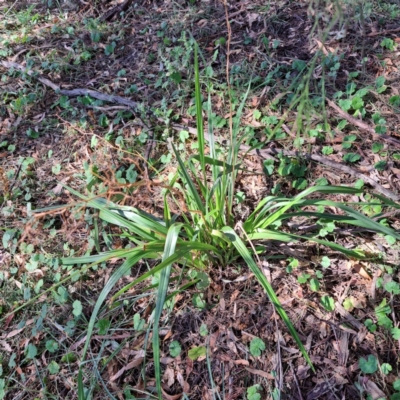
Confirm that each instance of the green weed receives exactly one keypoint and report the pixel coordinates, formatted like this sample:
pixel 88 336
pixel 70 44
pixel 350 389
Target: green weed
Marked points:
pixel 209 231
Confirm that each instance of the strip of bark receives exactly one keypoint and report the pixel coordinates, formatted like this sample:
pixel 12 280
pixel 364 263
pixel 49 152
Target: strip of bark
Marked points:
pixel 362 125
pixel 329 163
pixel 118 9
pixel 383 33
pixel 74 92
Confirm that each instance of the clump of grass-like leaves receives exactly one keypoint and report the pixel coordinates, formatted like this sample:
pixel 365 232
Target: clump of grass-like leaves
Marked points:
pixel 205 234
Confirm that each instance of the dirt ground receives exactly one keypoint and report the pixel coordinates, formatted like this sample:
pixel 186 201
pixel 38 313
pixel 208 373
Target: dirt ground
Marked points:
pixel 142 51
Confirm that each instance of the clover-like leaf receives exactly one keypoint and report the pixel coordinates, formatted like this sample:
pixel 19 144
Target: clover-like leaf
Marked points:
pixel 327 150
pixel 379 81
pixel 380 165
pixel 303 278
pixel 359 184
pixel 386 368
pixel 31 351
pixel 77 308
pixel 103 325
pixel 377 147
pixel 252 392
pixel 256 347
pixel 328 303
pixel 345 104
pixel 176 77
pixel 369 366
pixel 256 114
pixel 314 284
pixel 196 352
pixel 203 330
pixel 395 100
pixel 348 304
pixel 138 323
pixel 198 301
pixel 380 129
pixel 325 262
pixel 370 325
pixel 351 157
pixel 51 346
pixel 392 287
pixel 53 367
pixel 69 358
pixel 175 348
pixel 395 333
pixel 357 103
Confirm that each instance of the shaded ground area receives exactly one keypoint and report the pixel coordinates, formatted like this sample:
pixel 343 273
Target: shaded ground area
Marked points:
pixel 292 57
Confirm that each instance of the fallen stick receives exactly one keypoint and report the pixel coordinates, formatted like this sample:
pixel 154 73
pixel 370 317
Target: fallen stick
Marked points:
pixel 362 125
pixel 372 34
pixel 74 92
pixel 344 168
pixel 118 9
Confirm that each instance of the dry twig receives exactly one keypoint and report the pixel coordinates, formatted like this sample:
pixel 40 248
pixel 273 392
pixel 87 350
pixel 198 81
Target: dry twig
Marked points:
pixel 362 125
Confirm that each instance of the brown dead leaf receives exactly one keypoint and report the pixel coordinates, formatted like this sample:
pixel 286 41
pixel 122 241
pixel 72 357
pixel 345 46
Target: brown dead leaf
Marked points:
pixel 232 346
pixel 185 386
pixel 359 301
pixel 189 367
pixel 169 396
pixel 255 124
pixel 16 331
pixel 389 67
pixel 303 372
pixel 322 330
pixel 213 340
pixel 132 364
pixel 236 51
pixel 373 390
pixel 6 346
pixel 241 362
pixel 396 170
pixel 202 23
pixel 233 113
pixel 322 387
pixel 359 268
pixel 168 335
pixel 258 372
pixel 167 360
pixel 234 295
pixel 169 376
pixel 224 357
pixel 322 47
pixel 8 320
pixel 19 259
pixel 37 272
pixel 112 367
pixel 38 118
pixel 58 189
pixel 252 17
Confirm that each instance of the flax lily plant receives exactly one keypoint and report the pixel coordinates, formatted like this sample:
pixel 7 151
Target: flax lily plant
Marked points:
pixel 207 234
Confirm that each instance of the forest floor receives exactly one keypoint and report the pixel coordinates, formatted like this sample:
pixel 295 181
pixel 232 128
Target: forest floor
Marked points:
pixel 322 85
